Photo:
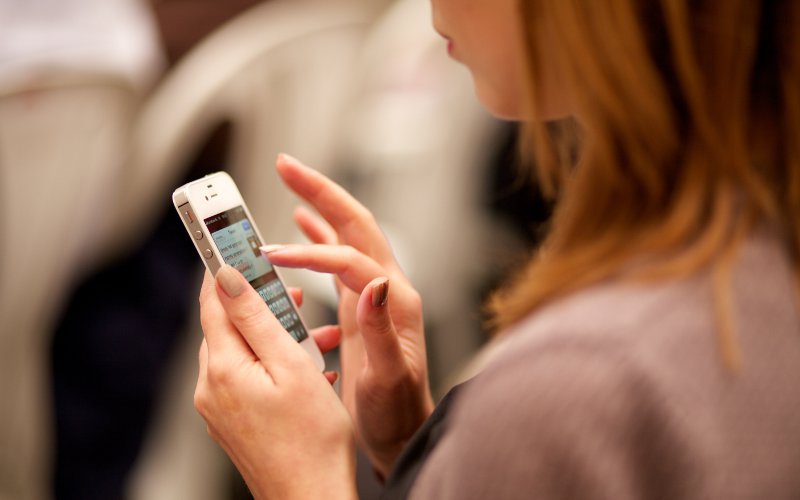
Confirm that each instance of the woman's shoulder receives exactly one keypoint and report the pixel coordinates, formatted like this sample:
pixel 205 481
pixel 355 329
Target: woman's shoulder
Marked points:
pixel 622 382
pixel 645 322
pixel 560 418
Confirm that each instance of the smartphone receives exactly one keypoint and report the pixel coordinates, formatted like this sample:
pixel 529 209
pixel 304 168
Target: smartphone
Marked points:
pixel 223 232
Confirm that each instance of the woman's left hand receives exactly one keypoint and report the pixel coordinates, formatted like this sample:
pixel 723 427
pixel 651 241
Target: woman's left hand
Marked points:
pixel 264 401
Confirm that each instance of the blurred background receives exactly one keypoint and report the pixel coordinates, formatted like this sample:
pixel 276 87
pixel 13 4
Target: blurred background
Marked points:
pixel 106 106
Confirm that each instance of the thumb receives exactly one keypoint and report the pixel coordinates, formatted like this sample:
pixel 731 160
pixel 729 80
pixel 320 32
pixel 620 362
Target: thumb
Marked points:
pixel 252 319
pixel 380 337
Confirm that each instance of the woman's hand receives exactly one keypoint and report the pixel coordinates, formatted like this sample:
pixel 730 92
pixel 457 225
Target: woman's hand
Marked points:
pixel 384 369
pixel 265 402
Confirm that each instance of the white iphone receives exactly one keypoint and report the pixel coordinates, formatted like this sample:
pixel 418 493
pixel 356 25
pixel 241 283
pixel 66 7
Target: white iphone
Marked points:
pixel 222 229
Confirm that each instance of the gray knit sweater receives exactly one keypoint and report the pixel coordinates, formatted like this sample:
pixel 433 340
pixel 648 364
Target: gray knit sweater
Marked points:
pixel 619 392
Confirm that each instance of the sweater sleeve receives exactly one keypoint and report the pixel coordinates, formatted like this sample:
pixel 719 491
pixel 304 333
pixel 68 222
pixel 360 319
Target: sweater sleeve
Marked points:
pixel 565 423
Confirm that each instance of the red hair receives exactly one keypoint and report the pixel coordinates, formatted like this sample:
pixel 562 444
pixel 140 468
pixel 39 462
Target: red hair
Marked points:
pixel 690 125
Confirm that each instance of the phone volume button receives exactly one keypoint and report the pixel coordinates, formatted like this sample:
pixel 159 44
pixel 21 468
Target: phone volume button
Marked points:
pixel 198 235
pixel 207 253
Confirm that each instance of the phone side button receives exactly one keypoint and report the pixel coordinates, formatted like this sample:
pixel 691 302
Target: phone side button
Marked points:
pixel 207 253
pixel 198 235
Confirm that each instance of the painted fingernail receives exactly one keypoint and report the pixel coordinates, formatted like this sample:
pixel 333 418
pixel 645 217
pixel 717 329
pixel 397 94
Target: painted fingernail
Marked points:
pixel 380 293
pixel 268 249
pixel 230 280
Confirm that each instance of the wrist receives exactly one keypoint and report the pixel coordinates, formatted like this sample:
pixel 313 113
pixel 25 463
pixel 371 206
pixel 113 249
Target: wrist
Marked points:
pixel 338 482
pixel 383 457
pixel 383 461
pixel 332 476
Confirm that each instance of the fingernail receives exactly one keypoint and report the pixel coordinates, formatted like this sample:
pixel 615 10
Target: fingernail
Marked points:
pixel 268 249
pixel 380 293
pixel 284 158
pixel 230 280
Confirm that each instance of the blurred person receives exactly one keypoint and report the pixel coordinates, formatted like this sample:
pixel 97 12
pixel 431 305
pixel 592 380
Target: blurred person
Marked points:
pixel 45 40
pixel 116 340
pixel 649 349
pixel 72 74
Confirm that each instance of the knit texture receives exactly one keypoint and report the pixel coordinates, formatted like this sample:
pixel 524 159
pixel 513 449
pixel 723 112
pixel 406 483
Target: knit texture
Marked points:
pixel 620 392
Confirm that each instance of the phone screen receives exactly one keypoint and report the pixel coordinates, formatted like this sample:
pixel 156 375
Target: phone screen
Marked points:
pixel 239 245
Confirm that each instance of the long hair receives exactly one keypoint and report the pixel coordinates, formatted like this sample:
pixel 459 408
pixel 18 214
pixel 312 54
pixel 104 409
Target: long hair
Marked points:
pixel 690 121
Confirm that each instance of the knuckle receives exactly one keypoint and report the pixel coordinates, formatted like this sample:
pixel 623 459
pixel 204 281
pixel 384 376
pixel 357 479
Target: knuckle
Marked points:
pixel 212 433
pixel 218 375
pixel 201 402
pixel 206 289
pixel 351 254
pixel 294 361
pixel 203 295
pixel 366 215
pixel 380 326
pixel 414 299
pixel 205 319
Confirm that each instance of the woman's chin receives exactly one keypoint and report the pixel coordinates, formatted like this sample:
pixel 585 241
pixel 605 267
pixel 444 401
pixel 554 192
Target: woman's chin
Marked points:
pixel 504 112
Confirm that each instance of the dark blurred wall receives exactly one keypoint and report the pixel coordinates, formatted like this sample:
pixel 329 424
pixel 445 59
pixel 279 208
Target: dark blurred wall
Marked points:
pixel 183 23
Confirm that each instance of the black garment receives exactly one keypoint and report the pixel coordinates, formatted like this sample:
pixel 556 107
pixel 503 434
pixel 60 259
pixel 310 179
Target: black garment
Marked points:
pixel 422 444
pixel 110 353
pixel 112 347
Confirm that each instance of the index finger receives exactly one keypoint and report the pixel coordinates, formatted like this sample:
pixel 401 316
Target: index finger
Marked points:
pixel 354 224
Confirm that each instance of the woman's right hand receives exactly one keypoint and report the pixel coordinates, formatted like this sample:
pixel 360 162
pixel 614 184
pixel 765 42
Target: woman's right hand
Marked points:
pixel 384 368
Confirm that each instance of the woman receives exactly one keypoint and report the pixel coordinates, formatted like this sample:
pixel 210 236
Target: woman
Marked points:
pixel 649 349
